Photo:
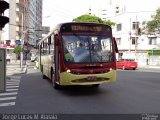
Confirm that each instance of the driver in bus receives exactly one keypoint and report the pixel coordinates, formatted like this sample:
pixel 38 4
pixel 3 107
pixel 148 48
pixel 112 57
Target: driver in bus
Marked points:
pixel 80 53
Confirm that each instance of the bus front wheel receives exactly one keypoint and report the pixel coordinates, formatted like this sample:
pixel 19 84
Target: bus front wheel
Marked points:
pixel 55 85
pixel 95 85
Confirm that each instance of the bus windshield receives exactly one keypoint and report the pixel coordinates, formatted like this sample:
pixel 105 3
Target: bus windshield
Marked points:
pixel 87 49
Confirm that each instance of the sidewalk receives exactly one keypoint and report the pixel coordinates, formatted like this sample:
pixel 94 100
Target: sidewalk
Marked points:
pixel 13 68
pixel 149 66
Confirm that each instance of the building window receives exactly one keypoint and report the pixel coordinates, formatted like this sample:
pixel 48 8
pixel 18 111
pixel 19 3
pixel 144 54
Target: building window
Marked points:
pixel 152 40
pixel 134 40
pixel 119 27
pixel 135 25
pixel 118 40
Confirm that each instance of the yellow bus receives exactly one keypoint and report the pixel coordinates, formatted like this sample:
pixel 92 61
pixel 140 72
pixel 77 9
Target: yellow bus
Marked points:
pixel 78 53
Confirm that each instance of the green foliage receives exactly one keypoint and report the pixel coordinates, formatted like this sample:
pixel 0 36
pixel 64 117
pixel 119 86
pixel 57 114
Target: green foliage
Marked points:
pixel 17 49
pixel 110 23
pixel 154 24
pixel 90 18
pixel 154 52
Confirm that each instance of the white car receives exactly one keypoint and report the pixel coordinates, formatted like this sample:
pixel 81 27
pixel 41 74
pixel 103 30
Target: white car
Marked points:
pixel 33 57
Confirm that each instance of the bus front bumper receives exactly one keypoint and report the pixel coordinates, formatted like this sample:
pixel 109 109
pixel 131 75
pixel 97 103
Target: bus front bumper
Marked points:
pixel 87 79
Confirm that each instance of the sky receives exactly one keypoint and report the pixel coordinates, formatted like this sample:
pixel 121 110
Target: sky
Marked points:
pixel 65 10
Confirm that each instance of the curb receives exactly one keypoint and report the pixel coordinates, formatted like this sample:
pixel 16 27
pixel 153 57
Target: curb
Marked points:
pixel 149 67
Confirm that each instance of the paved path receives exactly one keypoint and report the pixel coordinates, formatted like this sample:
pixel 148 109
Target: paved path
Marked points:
pixel 13 68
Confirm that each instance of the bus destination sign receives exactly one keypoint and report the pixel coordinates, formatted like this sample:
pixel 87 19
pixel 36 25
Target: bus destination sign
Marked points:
pixel 85 28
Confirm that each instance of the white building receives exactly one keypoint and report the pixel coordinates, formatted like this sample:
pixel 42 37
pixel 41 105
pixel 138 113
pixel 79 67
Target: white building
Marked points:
pixel 128 19
pixel 125 32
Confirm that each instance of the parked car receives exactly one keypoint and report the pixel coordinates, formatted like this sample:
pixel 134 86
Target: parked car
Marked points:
pixel 127 64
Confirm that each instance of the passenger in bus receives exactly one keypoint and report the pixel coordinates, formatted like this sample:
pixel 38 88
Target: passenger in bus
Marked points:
pixel 68 57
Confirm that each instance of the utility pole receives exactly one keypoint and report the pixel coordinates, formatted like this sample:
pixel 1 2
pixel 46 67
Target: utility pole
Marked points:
pixel 136 38
pixel 130 36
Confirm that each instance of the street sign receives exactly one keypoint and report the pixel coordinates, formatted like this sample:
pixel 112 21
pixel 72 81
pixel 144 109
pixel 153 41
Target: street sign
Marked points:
pixel 3 69
pixel 18 42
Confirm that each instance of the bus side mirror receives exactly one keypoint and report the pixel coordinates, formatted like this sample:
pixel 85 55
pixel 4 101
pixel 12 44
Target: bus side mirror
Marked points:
pixel 56 39
pixel 115 45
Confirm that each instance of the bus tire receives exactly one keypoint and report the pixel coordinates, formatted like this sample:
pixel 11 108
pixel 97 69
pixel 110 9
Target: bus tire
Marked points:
pixel 55 85
pixel 42 68
pixel 95 85
pixel 43 76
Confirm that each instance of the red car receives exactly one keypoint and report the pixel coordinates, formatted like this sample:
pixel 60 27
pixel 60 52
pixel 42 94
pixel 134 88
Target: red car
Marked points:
pixel 126 64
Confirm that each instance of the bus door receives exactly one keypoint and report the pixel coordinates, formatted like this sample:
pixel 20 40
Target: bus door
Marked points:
pixel 56 60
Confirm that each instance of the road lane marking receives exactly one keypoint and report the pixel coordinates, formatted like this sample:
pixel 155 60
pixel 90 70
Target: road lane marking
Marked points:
pixel 13 93
pixel 12 86
pixel 7 104
pixel 14 80
pixel 8 90
pixel 8 98
pixel 15 77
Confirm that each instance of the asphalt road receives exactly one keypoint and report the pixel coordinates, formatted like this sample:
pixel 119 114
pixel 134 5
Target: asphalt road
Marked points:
pixel 134 92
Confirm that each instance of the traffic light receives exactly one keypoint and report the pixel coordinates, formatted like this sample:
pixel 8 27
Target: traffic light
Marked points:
pixel 3 19
pixel 117 9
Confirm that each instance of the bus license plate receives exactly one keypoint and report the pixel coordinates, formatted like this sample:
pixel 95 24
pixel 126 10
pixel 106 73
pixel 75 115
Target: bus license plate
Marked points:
pixel 93 78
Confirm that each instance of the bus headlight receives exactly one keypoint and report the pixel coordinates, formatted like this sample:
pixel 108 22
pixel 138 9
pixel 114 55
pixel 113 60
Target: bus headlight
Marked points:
pixel 68 71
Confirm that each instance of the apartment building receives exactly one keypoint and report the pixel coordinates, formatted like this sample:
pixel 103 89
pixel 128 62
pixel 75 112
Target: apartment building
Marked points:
pixel 35 22
pixel 25 16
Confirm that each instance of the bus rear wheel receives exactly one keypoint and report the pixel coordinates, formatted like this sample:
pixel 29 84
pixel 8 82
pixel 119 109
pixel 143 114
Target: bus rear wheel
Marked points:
pixel 43 76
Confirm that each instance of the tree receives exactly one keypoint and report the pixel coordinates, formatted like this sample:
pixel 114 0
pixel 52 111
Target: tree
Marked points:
pixel 90 18
pixel 154 24
pixel 17 50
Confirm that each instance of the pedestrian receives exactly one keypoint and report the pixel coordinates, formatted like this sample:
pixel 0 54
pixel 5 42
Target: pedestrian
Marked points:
pixel 147 61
